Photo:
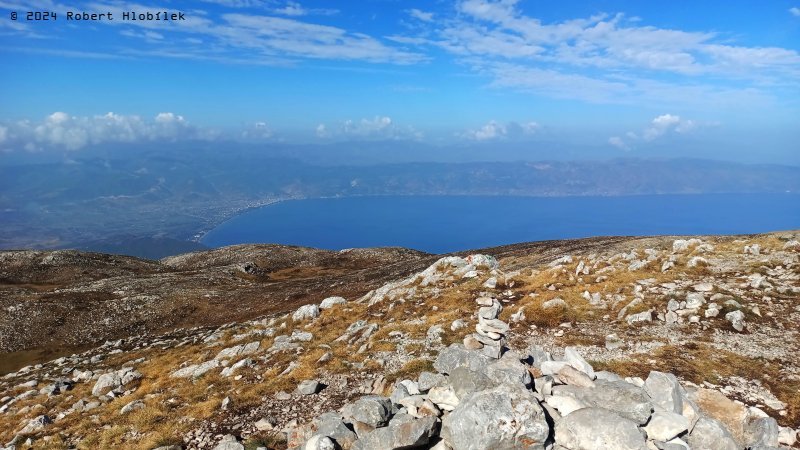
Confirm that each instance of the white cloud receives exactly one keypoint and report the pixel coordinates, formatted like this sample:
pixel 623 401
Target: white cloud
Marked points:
pixel 795 11
pixel 61 130
pixel 296 9
pixel 258 131
pixel 293 38
pixel 494 130
pixel 421 15
pixel 241 36
pixel 237 3
pixel 617 141
pixel 659 127
pixel 378 127
pixel 607 58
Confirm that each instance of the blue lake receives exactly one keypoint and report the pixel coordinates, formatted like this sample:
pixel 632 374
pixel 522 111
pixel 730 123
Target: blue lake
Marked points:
pixel 440 224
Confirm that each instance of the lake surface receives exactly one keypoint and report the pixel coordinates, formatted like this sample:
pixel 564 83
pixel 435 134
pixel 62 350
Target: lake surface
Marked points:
pixel 440 224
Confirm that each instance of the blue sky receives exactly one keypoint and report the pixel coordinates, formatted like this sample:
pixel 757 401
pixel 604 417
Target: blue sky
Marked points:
pixel 623 75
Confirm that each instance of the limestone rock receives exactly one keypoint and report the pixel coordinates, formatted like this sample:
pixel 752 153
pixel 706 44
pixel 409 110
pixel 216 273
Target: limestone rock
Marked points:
pixel 575 360
pixel 710 433
pixel 472 343
pixel 787 436
pixel 598 429
pixel 402 432
pixel 428 380
pixel 613 342
pixel 319 442
pixel 132 406
pixel 508 369
pixel 736 318
pixel 506 416
pixel 332 425
pixel 554 303
pixel 306 312
pixel 372 410
pixel 644 316
pixel 331 301
pixel 238 350
pixel 444 397
pixel 621 397
pixel 195 370
pixel 572 376
pixel 114 381
pixel 665 391
pixel 36 424
pixel 229 442
pixel 465 381
pixel 308 387
pixel 457 356
pixel 457 324
pixel 665 426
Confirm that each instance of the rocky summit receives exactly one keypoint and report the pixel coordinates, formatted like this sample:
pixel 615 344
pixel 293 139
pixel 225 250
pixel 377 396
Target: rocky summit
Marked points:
pixel 604 343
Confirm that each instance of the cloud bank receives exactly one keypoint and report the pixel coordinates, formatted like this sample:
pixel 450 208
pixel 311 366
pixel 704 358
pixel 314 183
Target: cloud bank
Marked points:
pixel 61 130
pixel 494 130
pixel 659 127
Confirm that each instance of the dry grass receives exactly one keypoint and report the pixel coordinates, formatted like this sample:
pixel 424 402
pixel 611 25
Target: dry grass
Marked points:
pixel 411 369
pixel 272 440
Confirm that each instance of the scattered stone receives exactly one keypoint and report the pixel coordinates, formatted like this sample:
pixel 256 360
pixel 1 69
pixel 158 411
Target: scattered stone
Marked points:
pixel 703 287
pixel 229 442
pixel 457 324
pixel 697 261
pixel 196 370
pixel 695 300
pixel 753 249
pixel 472 343
pixel 308 387
pixel 644 316
pixel 115 381
pixel 132 406
pixel 613 342
pixel 36 424
pixel 736 318
pixel 554 303
pixel 491 283
pixel 264 424
pixel 238 350
pixel 787 436
pixel 306 312
pixel 330 302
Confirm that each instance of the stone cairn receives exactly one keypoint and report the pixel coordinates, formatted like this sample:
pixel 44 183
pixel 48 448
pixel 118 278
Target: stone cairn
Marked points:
pixel 490 335
pixel 486 396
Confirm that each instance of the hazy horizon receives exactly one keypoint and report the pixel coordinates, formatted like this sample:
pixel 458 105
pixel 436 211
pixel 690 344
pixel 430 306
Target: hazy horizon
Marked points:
pixel 519 79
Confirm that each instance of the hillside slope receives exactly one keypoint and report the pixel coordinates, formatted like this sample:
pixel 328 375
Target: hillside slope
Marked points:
pixel 721 313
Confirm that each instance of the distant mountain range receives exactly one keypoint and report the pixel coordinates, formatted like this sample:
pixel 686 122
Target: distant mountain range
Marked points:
pixel 143 200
